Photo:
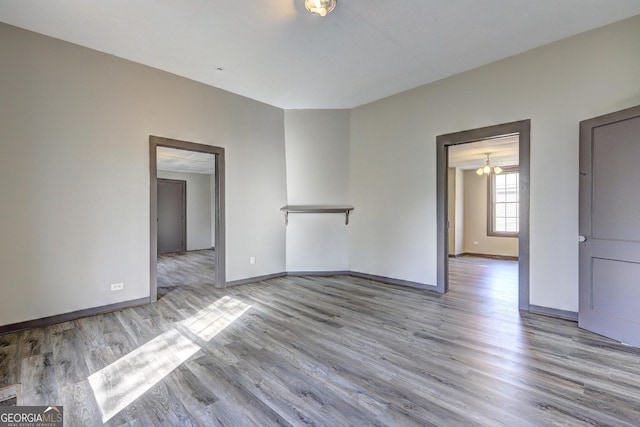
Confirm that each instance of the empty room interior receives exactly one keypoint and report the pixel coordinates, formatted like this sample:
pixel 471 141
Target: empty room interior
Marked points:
pixel 321 212
pixel 483 221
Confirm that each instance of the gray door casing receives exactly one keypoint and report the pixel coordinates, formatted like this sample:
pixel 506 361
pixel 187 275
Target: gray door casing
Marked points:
pixel 523 129
pixel 172 216
pixel 609 266
pixel 219 214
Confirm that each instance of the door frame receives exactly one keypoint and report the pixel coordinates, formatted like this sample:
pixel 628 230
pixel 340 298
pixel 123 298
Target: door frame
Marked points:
pixel 219 220
pixel 443 142
pixel 183 184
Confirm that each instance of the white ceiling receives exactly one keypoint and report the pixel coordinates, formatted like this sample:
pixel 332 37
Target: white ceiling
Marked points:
pixel 174 160
pixel 503 151
pixel 276 52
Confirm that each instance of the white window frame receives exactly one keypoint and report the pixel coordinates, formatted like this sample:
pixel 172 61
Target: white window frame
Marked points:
pixel 491 205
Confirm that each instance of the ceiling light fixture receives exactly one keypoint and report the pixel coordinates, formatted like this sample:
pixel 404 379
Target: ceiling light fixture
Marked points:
pixel 320 7
pixel 487 169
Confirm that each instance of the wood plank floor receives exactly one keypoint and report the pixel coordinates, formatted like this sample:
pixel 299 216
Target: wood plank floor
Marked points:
pixel 186 268
pixel 338 351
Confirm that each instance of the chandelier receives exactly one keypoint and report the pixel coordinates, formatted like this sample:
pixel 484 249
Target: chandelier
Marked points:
pixel 320 7
pixel 487 169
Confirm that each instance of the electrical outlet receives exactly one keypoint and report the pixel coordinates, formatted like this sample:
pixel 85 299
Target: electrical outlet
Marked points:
pixel 117 286
pixel 475 242
pixel 252 260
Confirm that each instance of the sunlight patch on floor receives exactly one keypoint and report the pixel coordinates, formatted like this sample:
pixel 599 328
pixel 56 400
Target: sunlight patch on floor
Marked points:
pixel 210 321
pixel 116 386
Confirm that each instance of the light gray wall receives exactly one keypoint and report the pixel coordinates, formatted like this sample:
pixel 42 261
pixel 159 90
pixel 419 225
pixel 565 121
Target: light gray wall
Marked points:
pixel 451 198
pixel 317 145
pixel 393 154
pixel 199 219
pixel 457 220
pixel 475 221
pixel 460 212
pixel 74 173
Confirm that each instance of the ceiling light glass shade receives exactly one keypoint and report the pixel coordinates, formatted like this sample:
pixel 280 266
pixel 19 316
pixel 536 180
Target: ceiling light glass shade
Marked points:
pixel 488 169
pixel 320 7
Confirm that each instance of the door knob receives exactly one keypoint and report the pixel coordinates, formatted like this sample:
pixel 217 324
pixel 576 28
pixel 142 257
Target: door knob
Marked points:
pixel 582 239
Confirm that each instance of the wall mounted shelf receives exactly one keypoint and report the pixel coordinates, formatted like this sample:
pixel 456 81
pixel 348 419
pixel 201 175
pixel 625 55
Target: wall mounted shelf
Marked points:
pixel 316 209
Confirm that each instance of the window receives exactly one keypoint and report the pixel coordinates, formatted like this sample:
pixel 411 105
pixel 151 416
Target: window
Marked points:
pixel 504 203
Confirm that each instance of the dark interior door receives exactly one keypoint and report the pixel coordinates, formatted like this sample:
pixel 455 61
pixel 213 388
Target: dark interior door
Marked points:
pixel 610 225
pixel 172 216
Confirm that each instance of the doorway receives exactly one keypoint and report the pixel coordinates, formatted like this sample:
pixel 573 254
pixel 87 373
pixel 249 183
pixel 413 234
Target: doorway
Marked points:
pixel 483 219
pixel 216 231
pixel 519 131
